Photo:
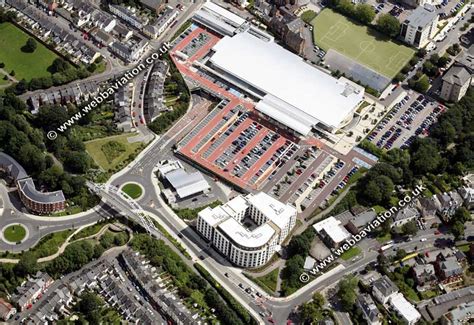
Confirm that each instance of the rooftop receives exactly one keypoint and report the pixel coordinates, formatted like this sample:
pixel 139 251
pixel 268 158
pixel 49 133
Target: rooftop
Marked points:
pixel 303 98
pixel 457 76
pixel 422 16
pixel 333 228
pixel 405 308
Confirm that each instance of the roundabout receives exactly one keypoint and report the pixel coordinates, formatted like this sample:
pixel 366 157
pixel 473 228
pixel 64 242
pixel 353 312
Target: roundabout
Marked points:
pixel 133 190
pixel 14 233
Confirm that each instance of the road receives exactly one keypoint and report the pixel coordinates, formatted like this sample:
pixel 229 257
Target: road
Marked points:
pixel 141 171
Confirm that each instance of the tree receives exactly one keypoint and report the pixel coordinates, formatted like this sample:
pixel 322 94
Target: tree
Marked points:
pixel 308 16
pixel 462 215
pixel 90 305
pixel 388 25
pixel 312 311
pixel 458 230
pixel 2 65
pixel 410 228
pixel 59 65
pixel 26 265
pixel 422 84
pixel 346 292
pixel 443 61
pixel 364 13
pixel 425 156
pixel 30 45
pixel 401 253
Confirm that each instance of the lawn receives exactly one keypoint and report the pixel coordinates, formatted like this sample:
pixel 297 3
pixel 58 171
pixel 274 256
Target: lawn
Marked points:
pixel 98 149
pixel 133 190
pixel 360 43
pixel 352 252
pixel 25 65
pixel 269 281
pixel 14 233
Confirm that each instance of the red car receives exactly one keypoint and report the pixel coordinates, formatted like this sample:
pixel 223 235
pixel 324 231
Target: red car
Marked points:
pixel 437 232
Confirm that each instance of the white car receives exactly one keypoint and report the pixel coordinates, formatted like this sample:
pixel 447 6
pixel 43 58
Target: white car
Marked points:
pixel 423 239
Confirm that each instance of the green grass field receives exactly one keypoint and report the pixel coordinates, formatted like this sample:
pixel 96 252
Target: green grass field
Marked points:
pixel 14 233
pixel 95 149
pixel 133 190
pixel 25 65
pixel 358 42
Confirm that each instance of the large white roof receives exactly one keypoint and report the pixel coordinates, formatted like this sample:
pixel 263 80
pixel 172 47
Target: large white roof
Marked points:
pixel 219 11
pixel 244 237
pixel 276 211
pixel 405 308
pixel 225 217
pixel 333 229
pixel 302 92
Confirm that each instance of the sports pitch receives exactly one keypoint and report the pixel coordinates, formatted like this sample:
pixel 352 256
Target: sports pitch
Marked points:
pixel 366 46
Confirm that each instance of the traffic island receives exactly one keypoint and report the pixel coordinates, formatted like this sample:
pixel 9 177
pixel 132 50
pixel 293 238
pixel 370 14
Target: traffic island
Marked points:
pixel 134 190
pixel 14 233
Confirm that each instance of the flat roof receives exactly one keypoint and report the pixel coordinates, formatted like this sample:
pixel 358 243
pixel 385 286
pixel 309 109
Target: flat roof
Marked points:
pixel 405 308
pixel 225 217
pixel 276 211
pixel 244 237
pixel 333 229
pixel 299 91
pixel 422 16
pixel 216 9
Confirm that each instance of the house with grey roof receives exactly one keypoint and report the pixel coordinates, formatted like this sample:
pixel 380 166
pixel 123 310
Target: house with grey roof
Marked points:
pixel 467 194
pixel 31 290
pixel 424 274
pixel 448 268
pixel 447 204
pixel 404 216
pixel 358 222
pixel 455 83
pixel 370 312
pixel 427 207
pixel 462 314
pixel 383 289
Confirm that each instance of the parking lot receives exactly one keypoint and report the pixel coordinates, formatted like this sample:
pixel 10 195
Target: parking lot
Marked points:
pixel 237 144
pixel 410 117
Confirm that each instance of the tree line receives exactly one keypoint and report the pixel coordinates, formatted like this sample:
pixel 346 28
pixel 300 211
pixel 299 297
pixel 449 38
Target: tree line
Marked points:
pixel 365 14
pixel 22 137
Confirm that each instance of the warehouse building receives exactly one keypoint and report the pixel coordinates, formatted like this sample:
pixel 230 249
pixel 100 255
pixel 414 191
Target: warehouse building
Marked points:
pixel 248 230
pixel 180 184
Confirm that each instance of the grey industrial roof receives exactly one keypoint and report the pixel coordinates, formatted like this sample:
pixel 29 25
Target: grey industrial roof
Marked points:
pixel 457 76
pixel 422 16
pixel 186 184
pixel 13 167
pixel 27 186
